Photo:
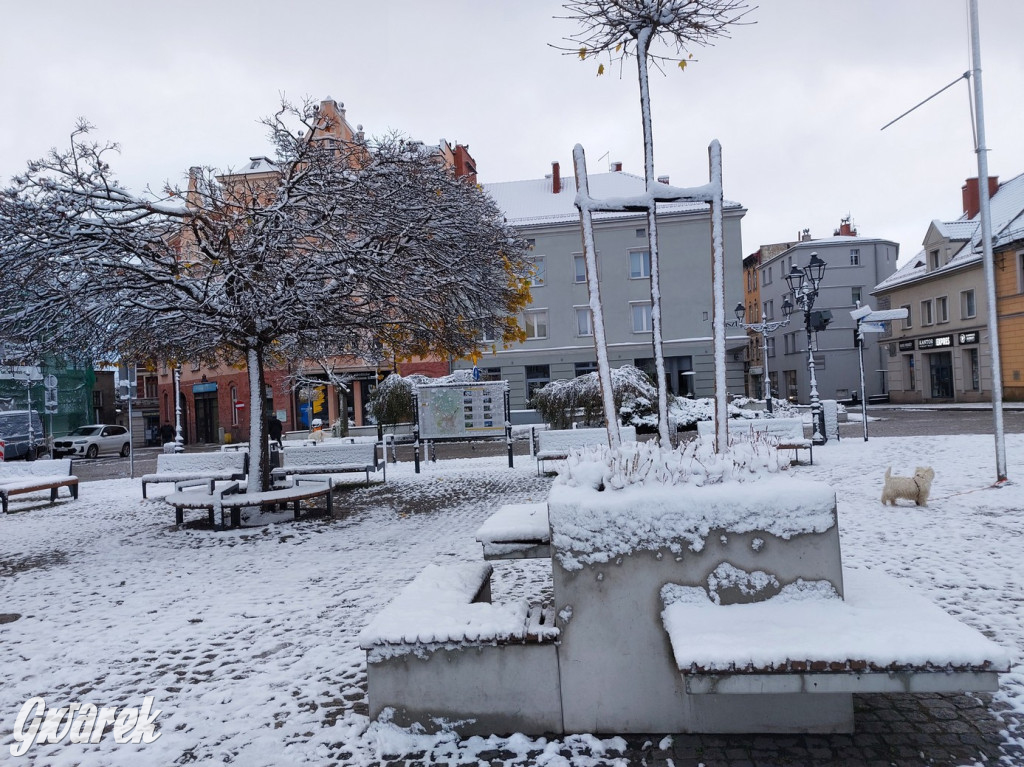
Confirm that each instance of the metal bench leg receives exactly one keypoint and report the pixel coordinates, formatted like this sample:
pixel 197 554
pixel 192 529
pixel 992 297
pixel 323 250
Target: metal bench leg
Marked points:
pixel 53 494
pixel 74 491
pixel 236 516
pixel 179 515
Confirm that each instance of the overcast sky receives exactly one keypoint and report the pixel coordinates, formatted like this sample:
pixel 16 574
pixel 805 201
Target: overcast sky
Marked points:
pixel 797 99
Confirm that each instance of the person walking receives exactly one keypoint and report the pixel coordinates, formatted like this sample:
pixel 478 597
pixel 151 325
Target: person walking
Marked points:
pixel 275 429
pixel 166 433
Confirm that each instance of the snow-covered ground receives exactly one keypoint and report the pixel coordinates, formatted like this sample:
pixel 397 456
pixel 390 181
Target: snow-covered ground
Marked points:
pixel 247 639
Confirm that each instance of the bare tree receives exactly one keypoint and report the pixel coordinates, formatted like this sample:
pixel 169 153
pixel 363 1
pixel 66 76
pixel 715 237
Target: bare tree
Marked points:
pixel 656 31
pixel 350 245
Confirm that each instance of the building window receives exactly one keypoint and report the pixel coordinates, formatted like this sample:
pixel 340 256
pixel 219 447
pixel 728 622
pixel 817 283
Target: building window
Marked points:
pixel 926 313
pixel 855 295
pixel 854 256
pixel 538 274
pixel 535 323
pixel 769 310
pixel 580 266
pixel 911 377
pixel 705 316
pixel 766 276
pixel 790 341
pixel 584 326
pixel 150 384
pixel 791 390
pixel 908 322
pixel 641 314
pixel 584 368
pixel 641 233
pixel 490 374
pixel 973 369
pixel 968 310
pixel 942 309
pixel 531 243
pixel 537 376
pixel 933 260
pixel 97 399
pixel 770 343
pixel 487 334
pixel 196 366
pixel 234 410
pixel 639 264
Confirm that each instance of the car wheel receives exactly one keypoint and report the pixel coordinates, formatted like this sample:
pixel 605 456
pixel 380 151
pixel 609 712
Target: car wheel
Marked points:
pixel 93 451
pixel 125 449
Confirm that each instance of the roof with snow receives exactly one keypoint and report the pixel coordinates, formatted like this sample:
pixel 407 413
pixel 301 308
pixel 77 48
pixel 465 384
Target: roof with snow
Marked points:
pixel 255 165
pixel 1007 211
pixel 533 202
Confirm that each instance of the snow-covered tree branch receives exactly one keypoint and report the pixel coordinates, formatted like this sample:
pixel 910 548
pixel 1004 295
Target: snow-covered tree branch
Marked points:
pixel 346 245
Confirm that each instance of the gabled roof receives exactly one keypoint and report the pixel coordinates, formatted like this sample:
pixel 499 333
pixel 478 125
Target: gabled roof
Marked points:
pixel 533 202
pixel 1007 212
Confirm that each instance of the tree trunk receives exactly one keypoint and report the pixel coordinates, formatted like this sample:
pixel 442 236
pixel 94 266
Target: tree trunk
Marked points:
pixel 259 457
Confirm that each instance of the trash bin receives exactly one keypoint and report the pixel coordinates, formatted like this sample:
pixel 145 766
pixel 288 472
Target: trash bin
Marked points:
pixel 275 455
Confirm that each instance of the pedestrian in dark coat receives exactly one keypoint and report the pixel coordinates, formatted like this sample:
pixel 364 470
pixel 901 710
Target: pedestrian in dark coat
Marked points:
pixel 275 428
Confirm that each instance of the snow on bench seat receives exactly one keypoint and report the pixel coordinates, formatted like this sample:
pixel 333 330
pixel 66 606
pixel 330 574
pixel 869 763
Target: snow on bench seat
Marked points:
pixel 233 498
pixel 880 638
pixel 213 466
pixel 557 444
pixel 516 531
pixel 331 459
pixel 33 476
pixel 449 605
pixel 786 433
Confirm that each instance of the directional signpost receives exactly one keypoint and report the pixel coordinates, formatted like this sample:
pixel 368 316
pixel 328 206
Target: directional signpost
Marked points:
pixel 870 321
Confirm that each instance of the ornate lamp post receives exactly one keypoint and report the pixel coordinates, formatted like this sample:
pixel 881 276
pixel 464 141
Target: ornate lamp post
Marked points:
pixel 803 284
pixel 179 440
pixel 765 328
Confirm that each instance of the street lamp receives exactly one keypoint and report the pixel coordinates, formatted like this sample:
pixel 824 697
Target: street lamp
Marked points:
pixel 765 328
pixel 803 285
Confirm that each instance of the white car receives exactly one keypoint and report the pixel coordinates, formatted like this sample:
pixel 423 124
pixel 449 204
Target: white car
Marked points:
pixel 90 441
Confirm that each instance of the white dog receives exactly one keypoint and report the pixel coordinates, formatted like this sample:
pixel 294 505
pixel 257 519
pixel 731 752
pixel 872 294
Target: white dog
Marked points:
pixel 915 488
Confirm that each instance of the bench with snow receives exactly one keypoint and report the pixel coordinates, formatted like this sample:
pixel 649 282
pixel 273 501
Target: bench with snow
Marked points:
pixel 189 467
pixel 879 637
pixel 516 531
pixel 232 498
pixel 557 444
pixel 785 433
pixel 330 459
pixel 33 476
pixel 441 648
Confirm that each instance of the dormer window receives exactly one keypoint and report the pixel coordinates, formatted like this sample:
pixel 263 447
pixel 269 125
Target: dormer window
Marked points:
pixel 933 260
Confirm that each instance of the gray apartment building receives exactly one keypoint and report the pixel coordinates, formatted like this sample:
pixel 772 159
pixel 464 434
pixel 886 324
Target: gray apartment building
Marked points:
pixel 855 265
pixel 558 324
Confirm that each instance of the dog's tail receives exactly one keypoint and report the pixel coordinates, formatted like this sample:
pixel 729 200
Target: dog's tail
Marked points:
pixel 888 472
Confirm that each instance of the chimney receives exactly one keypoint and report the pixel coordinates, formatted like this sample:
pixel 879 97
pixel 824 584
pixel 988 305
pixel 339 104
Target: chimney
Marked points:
pixel 556 178
pixel 616 167
pixel 663 180
pixel 845 229
pixel 972 194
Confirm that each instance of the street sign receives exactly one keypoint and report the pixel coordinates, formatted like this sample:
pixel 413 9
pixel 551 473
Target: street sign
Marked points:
pixel 50 382
pixel 872 327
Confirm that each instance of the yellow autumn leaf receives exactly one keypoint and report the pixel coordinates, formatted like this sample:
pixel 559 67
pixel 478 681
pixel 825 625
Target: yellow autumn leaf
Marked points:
pixel 682 65
pixel 618 47
pixel 600 70
pixel 583 53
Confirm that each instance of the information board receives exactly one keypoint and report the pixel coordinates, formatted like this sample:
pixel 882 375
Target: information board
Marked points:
pixel 472 409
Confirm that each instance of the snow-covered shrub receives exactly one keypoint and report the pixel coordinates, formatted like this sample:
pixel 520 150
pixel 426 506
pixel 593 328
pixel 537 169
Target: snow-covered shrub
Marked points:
pixel 685 412
pixel 635 398
pixel 392 402
pixel 748 458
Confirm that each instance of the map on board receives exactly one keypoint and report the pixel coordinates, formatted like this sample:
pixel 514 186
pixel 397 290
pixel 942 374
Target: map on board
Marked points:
pixel 462 410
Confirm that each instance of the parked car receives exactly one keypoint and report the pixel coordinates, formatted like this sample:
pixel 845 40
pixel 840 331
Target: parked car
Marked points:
pixel 14 433
pixel 89 441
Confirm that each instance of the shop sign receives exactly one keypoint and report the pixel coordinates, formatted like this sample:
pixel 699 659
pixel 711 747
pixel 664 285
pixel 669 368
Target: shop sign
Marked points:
pixel 200 388
pixel 971 337
pixel 937 342
pixel 906 346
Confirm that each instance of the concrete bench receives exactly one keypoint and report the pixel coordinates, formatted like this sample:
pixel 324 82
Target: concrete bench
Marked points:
pixel 33 476
pixel 557 444
pixel 231 499
pixel 516 531
pixel 878 638
pixel 211 467
pixel 785 433
pixel 443 634
pixel 331 459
